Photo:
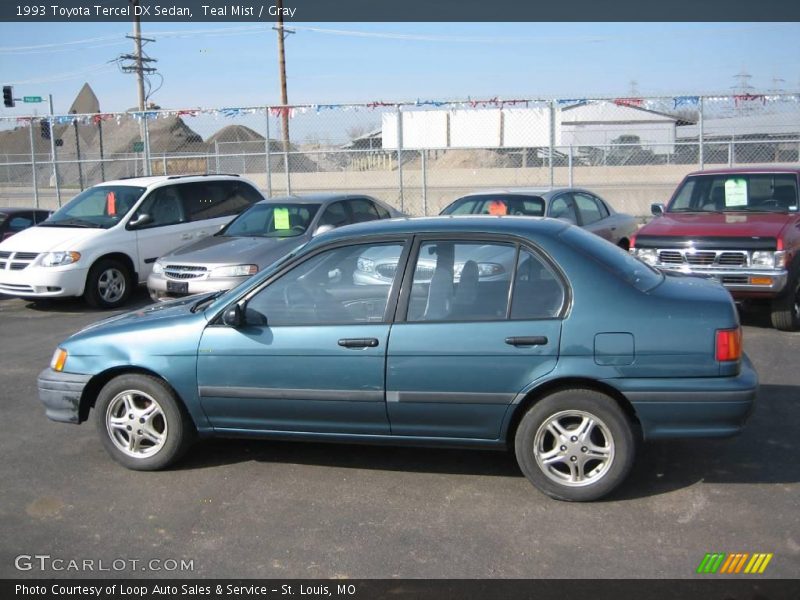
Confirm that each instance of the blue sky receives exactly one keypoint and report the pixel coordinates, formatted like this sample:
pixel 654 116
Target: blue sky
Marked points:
pixel 229 64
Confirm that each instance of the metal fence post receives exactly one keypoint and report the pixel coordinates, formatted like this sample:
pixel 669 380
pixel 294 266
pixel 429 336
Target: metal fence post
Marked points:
pixel 424 160
pixel 147 165
pixel 400 155
pixel 266 152
pixel 53 153
pixel 569 166
pixel 33 168
pixel 164 162
pixel 216 157
pixel 552 141
pixel 701 135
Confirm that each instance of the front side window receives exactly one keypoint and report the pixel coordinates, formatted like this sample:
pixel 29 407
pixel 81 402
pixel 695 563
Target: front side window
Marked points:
pixel 737 192
pixel 163 207
pixel 272 220
pixel 461 281
pixel 334 215
pixel 363 210
pixel 327 289
pixel 562 208
pixel 101 206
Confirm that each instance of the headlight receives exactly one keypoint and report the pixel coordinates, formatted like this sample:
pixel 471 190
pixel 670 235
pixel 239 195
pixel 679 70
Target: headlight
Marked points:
pixel 768 259
pixel 365 265
pixel 646 255
pixel 59 359
pixel 59 259
pixel 158 267
pixel 235 271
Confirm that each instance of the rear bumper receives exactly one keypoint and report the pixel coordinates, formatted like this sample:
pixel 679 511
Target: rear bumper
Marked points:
pixel 692 407
pixel 61 394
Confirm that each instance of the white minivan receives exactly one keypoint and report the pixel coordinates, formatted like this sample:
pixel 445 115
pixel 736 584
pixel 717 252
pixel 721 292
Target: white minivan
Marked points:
pixel 105 240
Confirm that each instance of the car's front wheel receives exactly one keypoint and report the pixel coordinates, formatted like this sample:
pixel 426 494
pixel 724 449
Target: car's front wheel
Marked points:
pixel 575 445
pixel 108 285
pixel 785 309
pixel 141 422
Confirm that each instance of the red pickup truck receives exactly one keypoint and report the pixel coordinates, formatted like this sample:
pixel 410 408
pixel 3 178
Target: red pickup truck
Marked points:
pixel 740 226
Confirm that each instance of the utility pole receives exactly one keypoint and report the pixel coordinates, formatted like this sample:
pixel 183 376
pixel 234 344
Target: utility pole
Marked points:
pixel 137 40
pixel 282 33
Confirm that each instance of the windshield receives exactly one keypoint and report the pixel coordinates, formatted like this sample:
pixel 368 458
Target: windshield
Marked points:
pixel 740 192
pixel 102 206
pixel 624 265
pixel 272 220
pixel 497 204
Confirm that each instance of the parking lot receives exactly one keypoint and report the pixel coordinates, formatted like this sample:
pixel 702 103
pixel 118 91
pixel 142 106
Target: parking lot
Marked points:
pixel 274 509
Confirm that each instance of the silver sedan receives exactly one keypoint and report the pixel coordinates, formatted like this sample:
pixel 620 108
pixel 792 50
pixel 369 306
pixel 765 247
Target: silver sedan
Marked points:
pixel 576 205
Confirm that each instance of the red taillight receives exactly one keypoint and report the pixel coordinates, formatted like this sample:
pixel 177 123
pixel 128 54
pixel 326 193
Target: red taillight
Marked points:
pixel 729 344
pixel 632 243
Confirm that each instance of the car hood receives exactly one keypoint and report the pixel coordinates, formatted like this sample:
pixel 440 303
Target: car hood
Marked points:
pixel 739 224
pixel 46 239
pixel 163 312
pixel 235 250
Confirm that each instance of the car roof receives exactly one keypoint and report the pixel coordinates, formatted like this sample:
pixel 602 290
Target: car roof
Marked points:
pixel 155 180
pixel 515 225
pixel 735 170
pixel 317 198
pixel 542 191
pixel 15 209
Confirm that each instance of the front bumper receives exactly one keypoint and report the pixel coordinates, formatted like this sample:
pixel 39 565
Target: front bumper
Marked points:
pixel 739 280
pixel 692 406
pixel 157 286
pixel 61 394
pixel 43 282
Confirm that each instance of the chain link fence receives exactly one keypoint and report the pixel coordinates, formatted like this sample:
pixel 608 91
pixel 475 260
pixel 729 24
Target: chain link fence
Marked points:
pixel 417 156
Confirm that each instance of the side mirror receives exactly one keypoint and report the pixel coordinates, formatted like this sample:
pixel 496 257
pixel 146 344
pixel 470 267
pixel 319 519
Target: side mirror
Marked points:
pixel 140 221
pixel 323 229
pixel 233 316
pixel 657 209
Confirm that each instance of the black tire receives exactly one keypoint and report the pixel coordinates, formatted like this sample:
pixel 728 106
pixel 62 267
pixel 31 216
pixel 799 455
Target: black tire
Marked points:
pixel 785 309
pixel 169 421
pixel 612 433
pixel 109 284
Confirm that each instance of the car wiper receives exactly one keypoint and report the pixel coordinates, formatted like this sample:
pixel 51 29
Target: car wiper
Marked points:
pixel 70 223
pixel 196 306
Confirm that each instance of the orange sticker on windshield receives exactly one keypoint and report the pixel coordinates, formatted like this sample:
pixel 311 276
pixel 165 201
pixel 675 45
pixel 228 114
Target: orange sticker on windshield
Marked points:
pixel 111 204
pixel 498 207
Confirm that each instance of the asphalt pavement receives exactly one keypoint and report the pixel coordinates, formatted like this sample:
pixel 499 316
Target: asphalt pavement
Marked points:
pixel 236 508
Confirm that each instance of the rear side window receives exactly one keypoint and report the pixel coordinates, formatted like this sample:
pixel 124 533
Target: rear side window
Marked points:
pixel 615 259
pixel 362 211
pixel 382 212
pixel 212 199
pixel 590 212
pixel 538 294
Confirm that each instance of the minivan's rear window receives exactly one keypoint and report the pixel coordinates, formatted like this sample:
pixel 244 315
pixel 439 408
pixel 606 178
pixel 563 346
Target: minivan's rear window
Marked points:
pixel 624 265
pixel 737 192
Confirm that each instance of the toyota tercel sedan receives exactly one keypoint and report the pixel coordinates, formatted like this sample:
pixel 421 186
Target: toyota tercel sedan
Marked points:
pixel 569 356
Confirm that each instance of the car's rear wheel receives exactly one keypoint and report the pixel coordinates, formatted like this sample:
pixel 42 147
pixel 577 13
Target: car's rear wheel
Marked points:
pixel 785 310
pixel 141 423
pixel 109 284
pixel 575 445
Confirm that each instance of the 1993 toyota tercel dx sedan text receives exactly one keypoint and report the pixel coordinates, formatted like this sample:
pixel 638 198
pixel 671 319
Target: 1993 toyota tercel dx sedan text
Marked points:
pixel 570 355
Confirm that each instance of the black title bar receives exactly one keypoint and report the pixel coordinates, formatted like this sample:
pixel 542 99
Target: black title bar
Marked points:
pixel 398 11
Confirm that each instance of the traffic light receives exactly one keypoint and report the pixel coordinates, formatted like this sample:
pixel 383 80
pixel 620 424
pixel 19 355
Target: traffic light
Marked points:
pixel 45 126
pixel 8 96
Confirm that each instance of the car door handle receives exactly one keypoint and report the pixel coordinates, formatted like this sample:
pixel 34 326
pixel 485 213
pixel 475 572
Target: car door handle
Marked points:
pixel 533 340
pixel 358 343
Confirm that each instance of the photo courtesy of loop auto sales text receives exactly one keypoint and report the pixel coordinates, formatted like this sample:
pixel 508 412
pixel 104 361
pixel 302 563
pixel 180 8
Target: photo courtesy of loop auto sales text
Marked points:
pixel 146 589
pixel 152 10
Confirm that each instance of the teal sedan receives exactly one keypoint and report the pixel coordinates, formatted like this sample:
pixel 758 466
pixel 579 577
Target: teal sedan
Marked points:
pixel 570 353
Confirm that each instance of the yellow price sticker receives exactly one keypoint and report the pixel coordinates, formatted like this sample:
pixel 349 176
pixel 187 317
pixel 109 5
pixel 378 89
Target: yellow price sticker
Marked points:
pixel 281 217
